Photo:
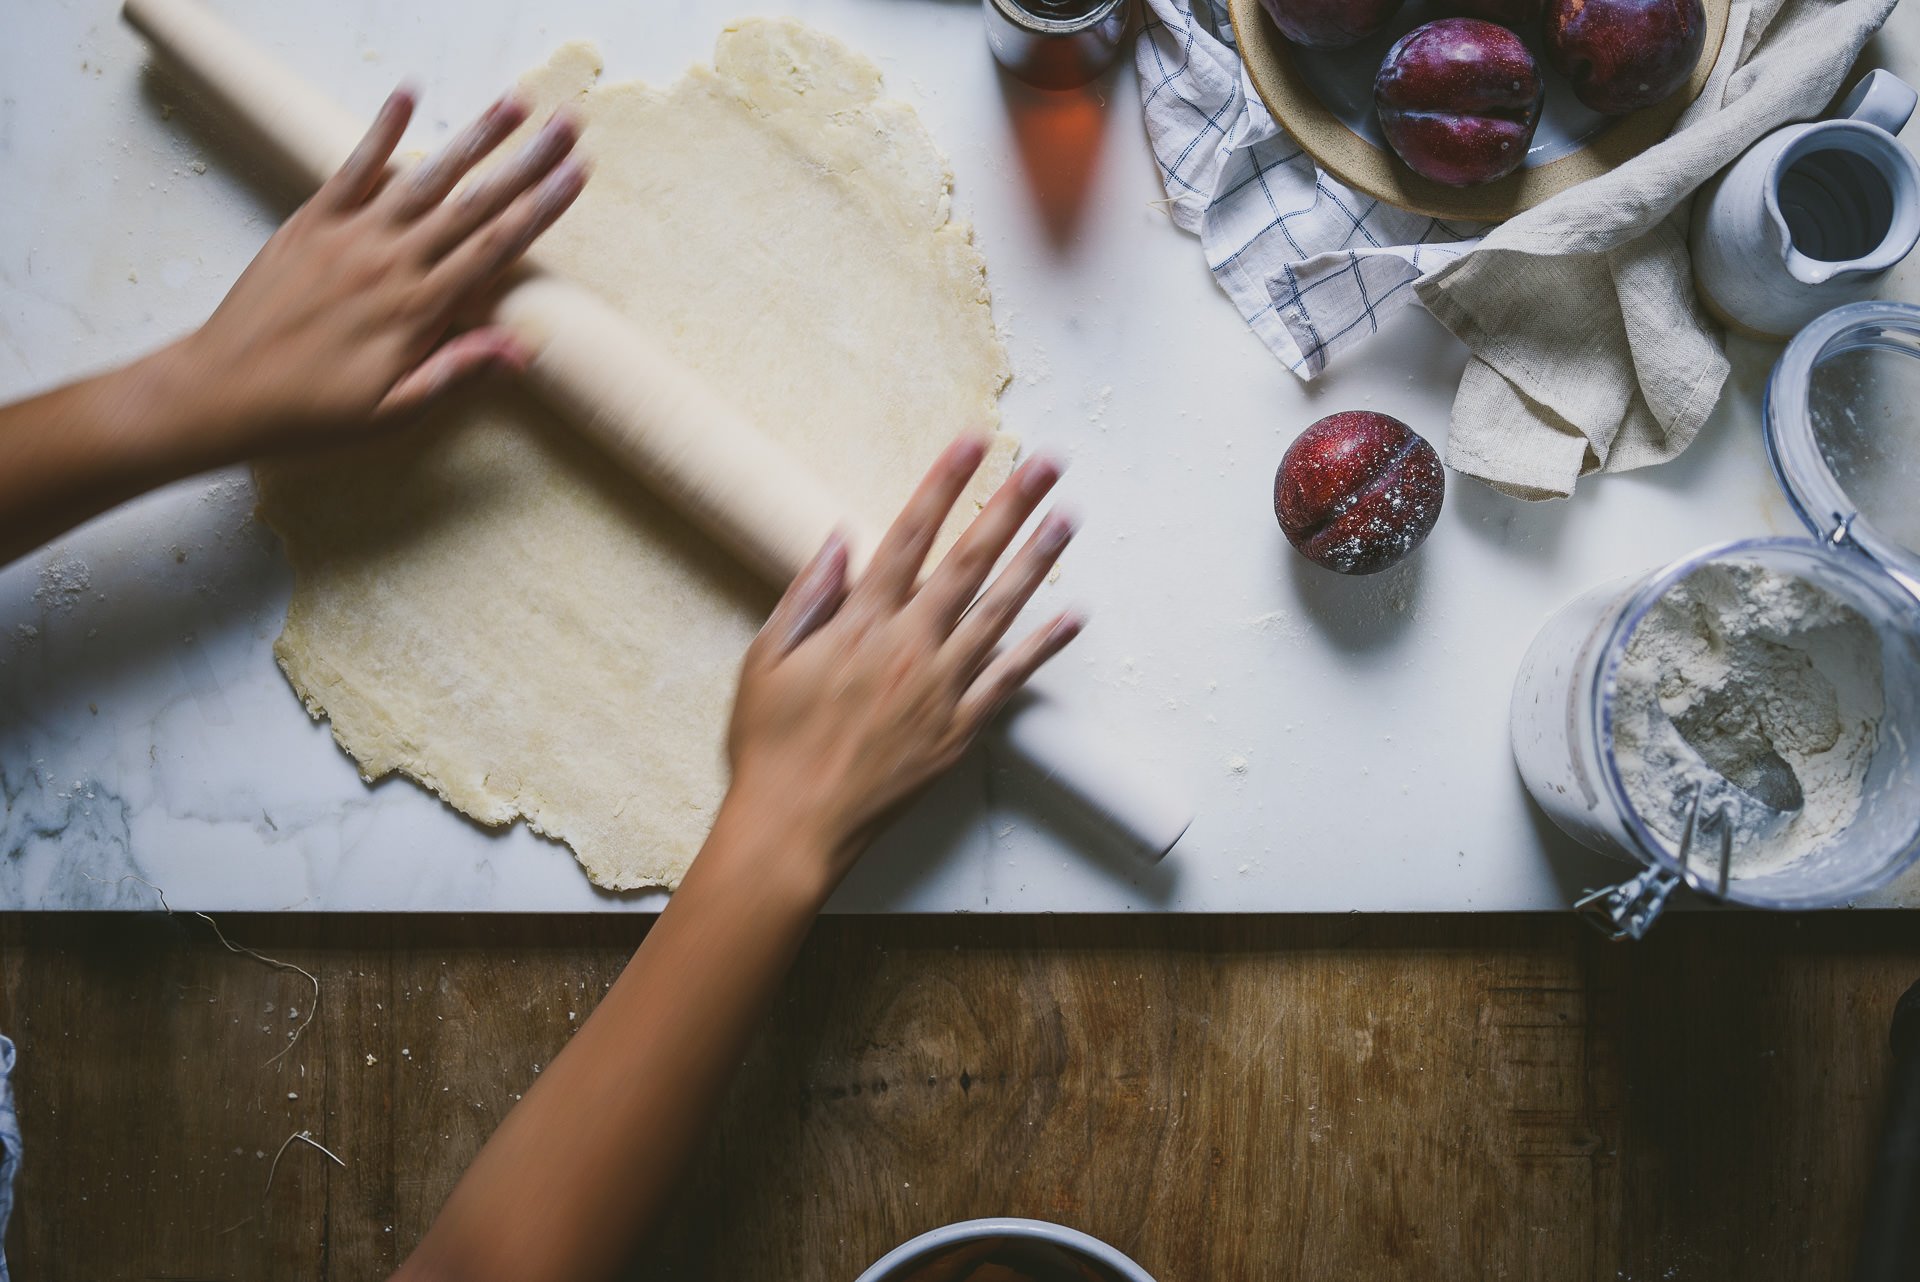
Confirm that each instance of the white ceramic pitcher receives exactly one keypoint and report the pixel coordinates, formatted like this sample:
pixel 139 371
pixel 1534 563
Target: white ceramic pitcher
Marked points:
pixel 1811 216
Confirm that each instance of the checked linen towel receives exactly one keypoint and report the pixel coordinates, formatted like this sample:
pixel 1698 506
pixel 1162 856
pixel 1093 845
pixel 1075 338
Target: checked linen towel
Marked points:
pixel 1589 351
pixel 1313 266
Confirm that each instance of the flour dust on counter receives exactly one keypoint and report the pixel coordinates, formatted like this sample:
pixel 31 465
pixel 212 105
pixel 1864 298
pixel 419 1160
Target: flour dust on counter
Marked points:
pixel 485 605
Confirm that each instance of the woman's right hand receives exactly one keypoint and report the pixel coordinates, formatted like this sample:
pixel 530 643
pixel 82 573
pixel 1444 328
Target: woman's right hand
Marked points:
pixel 854 697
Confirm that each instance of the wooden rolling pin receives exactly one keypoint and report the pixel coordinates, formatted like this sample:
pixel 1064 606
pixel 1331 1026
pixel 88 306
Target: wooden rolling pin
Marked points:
pixel 610 378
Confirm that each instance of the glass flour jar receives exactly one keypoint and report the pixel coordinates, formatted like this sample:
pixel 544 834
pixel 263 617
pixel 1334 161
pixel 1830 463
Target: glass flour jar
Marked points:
pixel 1842 425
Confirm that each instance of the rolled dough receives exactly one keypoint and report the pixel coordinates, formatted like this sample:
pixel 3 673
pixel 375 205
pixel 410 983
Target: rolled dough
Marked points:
pixel 486 606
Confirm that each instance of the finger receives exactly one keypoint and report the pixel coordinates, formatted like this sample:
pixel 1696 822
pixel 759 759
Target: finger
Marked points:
pixel 454 221
pixel 896 562
pixel 1009 671
pixel 809 601
pixel 951 587
pixel 453 362
pixel 429 183
pixel 483 256
pixel 987 622
pixel 354 180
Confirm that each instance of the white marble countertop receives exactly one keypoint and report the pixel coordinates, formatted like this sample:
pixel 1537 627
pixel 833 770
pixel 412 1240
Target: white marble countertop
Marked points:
pixel 1346 739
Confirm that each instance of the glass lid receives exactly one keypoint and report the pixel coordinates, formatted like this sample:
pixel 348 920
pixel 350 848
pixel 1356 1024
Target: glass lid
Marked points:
pixel 1843 431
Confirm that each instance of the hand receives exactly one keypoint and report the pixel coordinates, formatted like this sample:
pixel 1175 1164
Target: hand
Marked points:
pixel 853 700
pixel 849 702
pixel 339 322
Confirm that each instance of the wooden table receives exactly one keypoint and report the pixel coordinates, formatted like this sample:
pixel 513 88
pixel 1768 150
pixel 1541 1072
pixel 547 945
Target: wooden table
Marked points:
pixel 1224 1098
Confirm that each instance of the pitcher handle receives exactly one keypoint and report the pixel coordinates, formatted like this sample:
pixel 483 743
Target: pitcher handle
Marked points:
pixel 1881 98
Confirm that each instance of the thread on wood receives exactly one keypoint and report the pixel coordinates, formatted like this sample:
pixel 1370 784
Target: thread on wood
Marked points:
pixel 305 1137
pixel 230 946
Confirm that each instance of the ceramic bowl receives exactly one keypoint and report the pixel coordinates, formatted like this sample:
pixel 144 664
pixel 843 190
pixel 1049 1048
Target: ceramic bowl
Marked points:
pixel 897 1263
pixel 1324 99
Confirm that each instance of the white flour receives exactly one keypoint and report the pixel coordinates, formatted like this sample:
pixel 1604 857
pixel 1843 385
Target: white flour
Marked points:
pixel 1749 658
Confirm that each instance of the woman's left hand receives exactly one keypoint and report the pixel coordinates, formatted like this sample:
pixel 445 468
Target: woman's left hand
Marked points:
pixel 341 321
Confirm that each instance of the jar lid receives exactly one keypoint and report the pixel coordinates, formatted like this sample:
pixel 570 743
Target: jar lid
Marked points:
pixel 1842 416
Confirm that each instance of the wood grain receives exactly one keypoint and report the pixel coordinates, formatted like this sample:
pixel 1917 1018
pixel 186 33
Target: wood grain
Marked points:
pixel 1223 1098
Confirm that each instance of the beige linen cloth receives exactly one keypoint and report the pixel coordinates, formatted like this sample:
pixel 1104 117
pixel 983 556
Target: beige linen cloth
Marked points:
pixel 1590 352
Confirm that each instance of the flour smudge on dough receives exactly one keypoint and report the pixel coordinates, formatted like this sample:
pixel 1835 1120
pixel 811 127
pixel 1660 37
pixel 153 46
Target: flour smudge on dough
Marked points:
pixel 485 605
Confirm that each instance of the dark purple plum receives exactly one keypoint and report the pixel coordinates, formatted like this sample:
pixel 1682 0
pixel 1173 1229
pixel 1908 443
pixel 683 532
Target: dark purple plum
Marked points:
pixel 1622 55
pixel 1330 24
pixel 1458 100
pixel 1358 491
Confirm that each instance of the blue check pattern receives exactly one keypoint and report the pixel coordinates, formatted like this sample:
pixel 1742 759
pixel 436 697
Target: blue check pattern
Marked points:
pixel 1313 266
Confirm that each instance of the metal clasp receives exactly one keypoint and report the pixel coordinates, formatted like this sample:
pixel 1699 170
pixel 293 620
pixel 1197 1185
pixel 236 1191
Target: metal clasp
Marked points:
pixel 1628 910
pixel 1842 536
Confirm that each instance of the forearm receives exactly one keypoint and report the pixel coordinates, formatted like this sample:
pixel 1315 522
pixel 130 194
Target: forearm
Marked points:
pixel 78 450
pixel 582 1167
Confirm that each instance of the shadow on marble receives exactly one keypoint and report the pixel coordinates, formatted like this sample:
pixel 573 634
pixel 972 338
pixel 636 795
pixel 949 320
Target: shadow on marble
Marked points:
pixel 1016 788
pixel 1575 869
pixel 929 844
pixel 1359 613
pixel 1523 528
pixel 240 152
pixel 138 589
pixel 1721 434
